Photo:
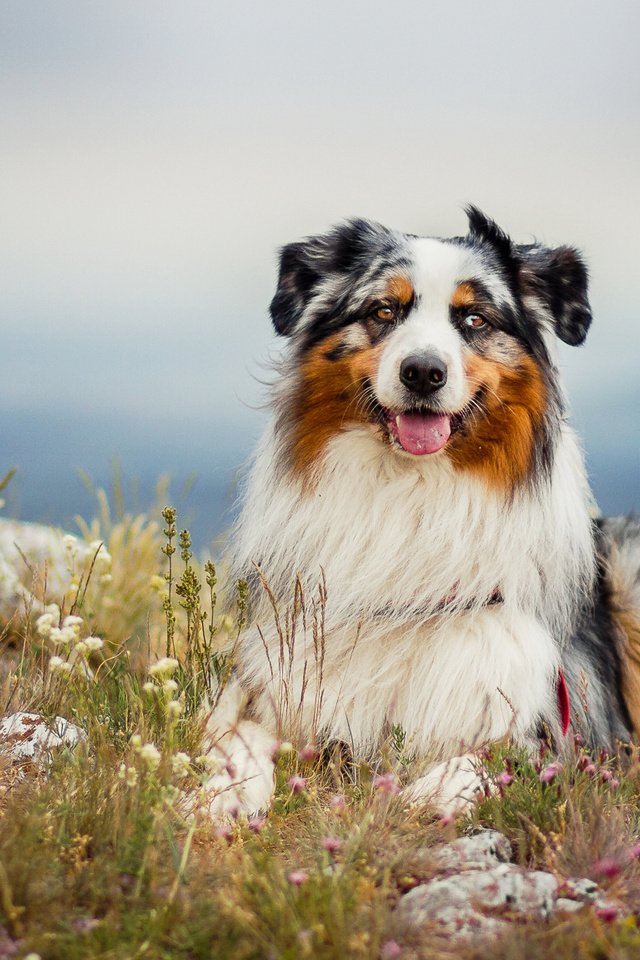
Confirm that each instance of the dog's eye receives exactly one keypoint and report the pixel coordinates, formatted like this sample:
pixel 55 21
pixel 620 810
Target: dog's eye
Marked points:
pixel 384 314
pixel 475 322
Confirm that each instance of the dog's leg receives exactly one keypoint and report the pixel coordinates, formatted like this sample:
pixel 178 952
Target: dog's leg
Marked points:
pixel 452 787
pixel 241 756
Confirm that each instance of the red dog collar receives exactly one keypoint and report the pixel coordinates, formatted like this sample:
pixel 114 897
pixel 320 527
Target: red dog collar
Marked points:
pixel 564 705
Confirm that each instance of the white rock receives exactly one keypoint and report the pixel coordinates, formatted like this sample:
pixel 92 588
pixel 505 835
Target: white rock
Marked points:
pixel 457 903
pixel 484 849
pixel 31 737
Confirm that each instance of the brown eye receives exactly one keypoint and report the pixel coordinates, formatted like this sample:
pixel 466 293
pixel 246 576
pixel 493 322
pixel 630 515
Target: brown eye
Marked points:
pixel 384 314
pixel 475 322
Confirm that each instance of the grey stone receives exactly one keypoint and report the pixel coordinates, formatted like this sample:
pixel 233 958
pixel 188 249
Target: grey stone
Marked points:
pixel 484 849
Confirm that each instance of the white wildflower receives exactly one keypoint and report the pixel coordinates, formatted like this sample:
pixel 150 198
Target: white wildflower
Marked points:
pixel 122 771
pixel 74 622
pixel 181 764
pixel 136 741
pixel 81 649
pixel 57 664
pixel 54 610
pixel 164 667
pixel 174 709
pixel 211 764
pixel 132 776
pixel 44 624
pixel 151 755
pixel 70 543
pixel 94 643
pixel 170 686
pixel 149 687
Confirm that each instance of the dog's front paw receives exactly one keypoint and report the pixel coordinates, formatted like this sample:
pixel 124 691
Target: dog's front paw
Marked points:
pixel 243 779
pixel 452 787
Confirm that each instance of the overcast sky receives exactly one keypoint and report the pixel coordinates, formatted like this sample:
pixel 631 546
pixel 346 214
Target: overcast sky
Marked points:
pixel 155 155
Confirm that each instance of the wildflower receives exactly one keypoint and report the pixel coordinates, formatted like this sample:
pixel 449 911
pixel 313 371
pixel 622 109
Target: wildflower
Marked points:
pixel 297 784
pixel 504 778
pixel 44 623
pixel 122 771
pixel 608 913
pixel 298 877
pixel 132 776
pixel 224 831
pixel 59 665
pixel 136 741
pixel 256 824
pixel 390 950
pixel 606 775
pixel 285 747
pixel 54 610
pixel 170 686
pixel 308 753
pixel 94 643
pixel 149 687
pixel 634 853
pixel 331 844
pixel 151 755
pixel 62 637
pixel 386 783
pixel 607 867
pixel 614 784
pixel 337 802
pixel 590 769
pixel 32 956
pixel 174 709
pixel 70 543
pixel 72 622
pixel 181 764
pixel 81 648
pixel 211 764
pixel 164 667
pixel 548 774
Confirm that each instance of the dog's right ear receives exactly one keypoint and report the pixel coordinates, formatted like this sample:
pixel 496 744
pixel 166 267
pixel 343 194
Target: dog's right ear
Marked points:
pixel 300 271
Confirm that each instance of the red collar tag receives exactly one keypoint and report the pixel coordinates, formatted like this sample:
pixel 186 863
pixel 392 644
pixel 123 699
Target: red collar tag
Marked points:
pixel 564 706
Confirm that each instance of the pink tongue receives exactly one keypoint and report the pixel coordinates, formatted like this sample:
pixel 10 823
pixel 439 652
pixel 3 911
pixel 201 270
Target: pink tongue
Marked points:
pixel 422 432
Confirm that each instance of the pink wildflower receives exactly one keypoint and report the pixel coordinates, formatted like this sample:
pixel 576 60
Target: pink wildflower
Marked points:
pixel 337 802
pixel 297 784
pixel 634 853
pixel 256 824
pixel 607 867
pixel 308 753
pixel 608 913
pixel 386 783
pixel 505 778
pixel 390 950
pixel 224 831
pixel 332 844
pixel 548 774
pixel 298 877
pixel 606 775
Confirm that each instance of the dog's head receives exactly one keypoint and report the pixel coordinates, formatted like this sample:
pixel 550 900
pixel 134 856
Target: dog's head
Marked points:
pixel 439 347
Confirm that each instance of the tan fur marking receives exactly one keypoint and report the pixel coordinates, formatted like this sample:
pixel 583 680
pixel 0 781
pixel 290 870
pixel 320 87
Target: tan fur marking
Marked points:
pixel 499 445
pixel 627 620
pixel 400 289
pixel 463 296
pixel 329 398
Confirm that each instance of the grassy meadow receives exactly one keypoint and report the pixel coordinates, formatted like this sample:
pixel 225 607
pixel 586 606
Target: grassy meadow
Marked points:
pixel 107 855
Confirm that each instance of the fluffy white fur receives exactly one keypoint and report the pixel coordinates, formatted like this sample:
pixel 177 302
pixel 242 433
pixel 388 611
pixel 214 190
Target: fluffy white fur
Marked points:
pixel 377 546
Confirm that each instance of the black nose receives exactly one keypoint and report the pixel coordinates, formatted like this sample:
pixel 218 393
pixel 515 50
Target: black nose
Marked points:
pixel 423 373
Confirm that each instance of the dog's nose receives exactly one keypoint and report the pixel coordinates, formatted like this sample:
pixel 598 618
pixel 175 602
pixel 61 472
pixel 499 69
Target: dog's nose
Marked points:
pixel 423 373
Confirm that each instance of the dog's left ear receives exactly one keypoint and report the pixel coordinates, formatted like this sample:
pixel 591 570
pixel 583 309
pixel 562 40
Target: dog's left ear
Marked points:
pixel 559 279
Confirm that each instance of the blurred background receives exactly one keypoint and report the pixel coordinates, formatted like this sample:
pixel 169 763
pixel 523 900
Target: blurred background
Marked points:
pixel 155 155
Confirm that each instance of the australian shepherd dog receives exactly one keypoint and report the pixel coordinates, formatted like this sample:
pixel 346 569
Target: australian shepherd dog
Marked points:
pixel 417 533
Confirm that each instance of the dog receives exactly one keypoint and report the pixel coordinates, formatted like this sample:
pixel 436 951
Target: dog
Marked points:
pixel 417 529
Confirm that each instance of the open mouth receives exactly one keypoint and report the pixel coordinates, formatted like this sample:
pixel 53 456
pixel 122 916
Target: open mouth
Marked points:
pixel 421 432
